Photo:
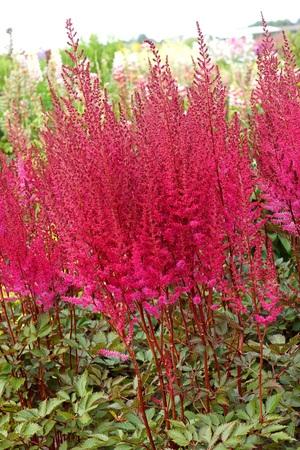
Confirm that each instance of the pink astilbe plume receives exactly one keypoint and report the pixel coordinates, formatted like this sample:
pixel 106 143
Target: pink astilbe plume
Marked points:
pixel 276 133
pixel 30 263
pixel 230 183
pixel 85 185
pixel 113 354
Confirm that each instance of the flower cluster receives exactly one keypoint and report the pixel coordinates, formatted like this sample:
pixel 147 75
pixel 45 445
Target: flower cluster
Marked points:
pixel 125 215
pixel 276 133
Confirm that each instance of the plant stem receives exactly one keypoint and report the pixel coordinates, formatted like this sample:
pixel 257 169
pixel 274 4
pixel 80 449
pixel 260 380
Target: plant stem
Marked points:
pixel 142 406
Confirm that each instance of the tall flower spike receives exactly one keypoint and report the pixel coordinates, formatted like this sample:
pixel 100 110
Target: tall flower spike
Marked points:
pixel 276 134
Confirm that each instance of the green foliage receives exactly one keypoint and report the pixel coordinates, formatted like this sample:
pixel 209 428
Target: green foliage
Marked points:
pixel 294 39
pixel 54 387
pixel 6 65
pixel 101 57
pixel 22 99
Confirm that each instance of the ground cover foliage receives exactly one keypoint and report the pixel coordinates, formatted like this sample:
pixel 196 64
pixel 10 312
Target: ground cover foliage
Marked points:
pixel 150 263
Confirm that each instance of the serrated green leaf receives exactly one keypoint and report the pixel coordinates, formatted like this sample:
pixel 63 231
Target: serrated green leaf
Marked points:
pixel 63 395
pixel 272 403
pixel 89 443
pixel 101 437
pixel 53 403
pixel 205 434
pixel 32 428
pixel 242 429
pixel 48 426
pixel 26 415
pixel 81 384
pixel 242 415
pixel 65 415
pixel 228 429
pixel 272 428
pixel 15 383
pixel 251 408
pixel 225 428
pixel 85 419
pixel 177 424
pixel 43 408
pixel 281 436
pixel 178 438
pixel 46 407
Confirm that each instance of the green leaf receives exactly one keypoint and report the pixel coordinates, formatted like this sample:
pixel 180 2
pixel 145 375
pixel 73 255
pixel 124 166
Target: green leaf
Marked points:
pixel 32 428
pixel 81 384
pixel 281 436
pixel 92 400
pixel 272 428
pixel 43 408
pixel 205 434
pixel 177 424
pixel 278 339
pixel 124 447
pixel 65 415
pixel 63 446
pixel 134 419
pixel 242 429
pixel 5 369
pixel 101 436
pixel 220 447
pixel 15 383
pixel 228 428
pixel 48 426
pixel 241 414
pixel 53 403
pixel 43 327
pixel 85 419
pixel 26 415
pixel 285 242
pixel 150 413
pixel 272 403
pixel 46 407
pixel 251 408
pixel 63 395
pixel 223 430
pixel 4 444
pixel 89 443
pixel 178 438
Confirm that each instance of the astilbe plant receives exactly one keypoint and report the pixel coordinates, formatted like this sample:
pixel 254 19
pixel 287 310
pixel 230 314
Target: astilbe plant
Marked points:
pixel 153 221
pixel 276 135
pixel 30 264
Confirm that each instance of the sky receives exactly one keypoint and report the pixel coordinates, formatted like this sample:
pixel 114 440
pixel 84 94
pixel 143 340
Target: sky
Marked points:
pixel 39 24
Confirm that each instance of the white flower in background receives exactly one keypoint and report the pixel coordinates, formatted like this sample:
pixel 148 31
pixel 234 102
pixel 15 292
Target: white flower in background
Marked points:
pixel 133 59
pixel 233 49
pixel 30 62
pixel 118 61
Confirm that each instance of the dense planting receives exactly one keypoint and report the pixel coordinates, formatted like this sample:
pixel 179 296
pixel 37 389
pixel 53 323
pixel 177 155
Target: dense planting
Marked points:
pixel 150 263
